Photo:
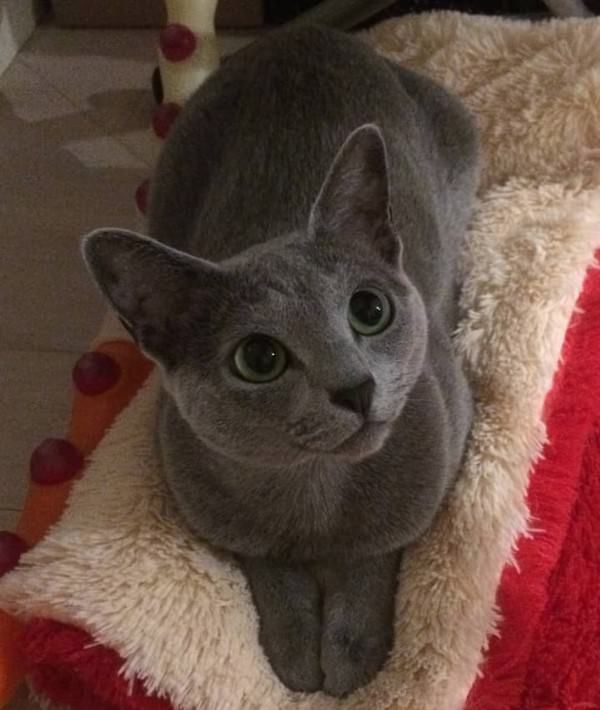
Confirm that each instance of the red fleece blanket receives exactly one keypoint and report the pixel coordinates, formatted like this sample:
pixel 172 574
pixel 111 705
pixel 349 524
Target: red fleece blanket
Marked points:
pixel 547 654
pixel 548 651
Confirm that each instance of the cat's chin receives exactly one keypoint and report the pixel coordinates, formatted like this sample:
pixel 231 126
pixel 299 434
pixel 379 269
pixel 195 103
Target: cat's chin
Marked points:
pixel 366 442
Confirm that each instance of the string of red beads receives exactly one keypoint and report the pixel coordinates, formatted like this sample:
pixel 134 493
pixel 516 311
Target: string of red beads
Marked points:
pixel 177 42
pixel 95 372
pixel 55 460
pixel 163 118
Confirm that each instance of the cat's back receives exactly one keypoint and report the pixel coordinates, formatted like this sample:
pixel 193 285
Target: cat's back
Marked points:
pixel 251 149
pixel 253 145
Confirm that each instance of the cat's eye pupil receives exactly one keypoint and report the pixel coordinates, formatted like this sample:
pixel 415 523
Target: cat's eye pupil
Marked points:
pixel 369 311
pixel 259 358
pixel 260 355
pixel 367 307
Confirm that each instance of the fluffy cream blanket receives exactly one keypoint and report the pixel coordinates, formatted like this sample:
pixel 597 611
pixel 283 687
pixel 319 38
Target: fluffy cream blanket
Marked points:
pixel 120 565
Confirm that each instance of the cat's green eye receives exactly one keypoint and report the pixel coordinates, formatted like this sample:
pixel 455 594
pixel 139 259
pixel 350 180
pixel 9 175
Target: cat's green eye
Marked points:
pixel 370 311
pixel 259 358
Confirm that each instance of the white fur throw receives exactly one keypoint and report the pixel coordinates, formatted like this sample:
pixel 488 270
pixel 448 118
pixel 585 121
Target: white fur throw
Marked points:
pixel 120 565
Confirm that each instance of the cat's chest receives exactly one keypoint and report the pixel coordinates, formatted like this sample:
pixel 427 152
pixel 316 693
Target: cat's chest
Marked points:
pixel 302 510
pixel 323 512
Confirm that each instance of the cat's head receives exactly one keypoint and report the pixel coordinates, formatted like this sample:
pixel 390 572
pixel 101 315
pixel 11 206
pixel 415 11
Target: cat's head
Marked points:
pixel 304 346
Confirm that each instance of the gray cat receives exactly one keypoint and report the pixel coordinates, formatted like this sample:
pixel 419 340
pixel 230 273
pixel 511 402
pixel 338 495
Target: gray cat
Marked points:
pixel 299 295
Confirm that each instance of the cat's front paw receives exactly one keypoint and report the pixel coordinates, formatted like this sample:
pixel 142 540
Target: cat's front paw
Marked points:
pixel 294 655
pixel 289 607
pixel 351 659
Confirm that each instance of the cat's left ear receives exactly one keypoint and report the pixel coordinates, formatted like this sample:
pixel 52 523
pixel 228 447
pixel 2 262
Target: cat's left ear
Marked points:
pixel 354 201
pixel 163 296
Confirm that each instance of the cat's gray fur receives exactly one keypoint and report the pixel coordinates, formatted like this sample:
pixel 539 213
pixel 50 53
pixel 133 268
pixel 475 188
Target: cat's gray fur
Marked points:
pixel 247 182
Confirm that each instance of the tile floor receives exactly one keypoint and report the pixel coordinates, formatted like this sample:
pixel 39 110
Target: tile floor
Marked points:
pixel 75 107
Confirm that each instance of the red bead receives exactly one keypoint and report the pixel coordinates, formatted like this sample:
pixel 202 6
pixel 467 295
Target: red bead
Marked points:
pixel 141 196
pixel 55 461
pixel 95 372
pixel 11 549
pixel 163 118
pixel 177 42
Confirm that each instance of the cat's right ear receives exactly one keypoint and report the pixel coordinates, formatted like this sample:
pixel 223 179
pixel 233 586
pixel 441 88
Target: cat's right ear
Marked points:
pixel 155 290
pixel 353 204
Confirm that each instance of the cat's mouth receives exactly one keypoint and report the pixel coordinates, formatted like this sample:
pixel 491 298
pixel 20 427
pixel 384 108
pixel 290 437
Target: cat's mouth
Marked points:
pixel 364 442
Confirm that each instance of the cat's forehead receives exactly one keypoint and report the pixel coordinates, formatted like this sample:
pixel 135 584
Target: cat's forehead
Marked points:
pixel 299 280
pixel 284 272
pixel 297 266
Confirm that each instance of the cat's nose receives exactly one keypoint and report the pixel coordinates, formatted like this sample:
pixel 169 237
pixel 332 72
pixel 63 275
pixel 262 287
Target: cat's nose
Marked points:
pixel 357 398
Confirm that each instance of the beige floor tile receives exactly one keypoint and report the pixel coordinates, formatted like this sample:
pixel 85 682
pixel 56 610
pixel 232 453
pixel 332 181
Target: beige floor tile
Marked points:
pixel 111 86
pixel 143 144
pixel 48 302
pixel 31 99
pixel 112 79
pixel 36 400
pixel 67 178
pixel 112 83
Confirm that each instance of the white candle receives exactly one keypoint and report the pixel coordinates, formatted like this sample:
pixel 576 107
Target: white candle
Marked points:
pixel 181 79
